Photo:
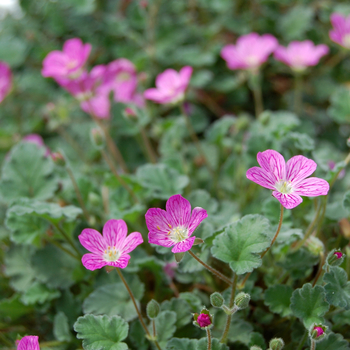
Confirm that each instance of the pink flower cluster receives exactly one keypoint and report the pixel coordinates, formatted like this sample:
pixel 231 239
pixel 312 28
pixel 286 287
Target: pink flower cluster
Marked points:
pixel 92 88
pixel 5 80
pixel 252 50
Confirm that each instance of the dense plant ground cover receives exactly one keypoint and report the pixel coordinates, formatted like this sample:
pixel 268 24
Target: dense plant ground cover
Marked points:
pixel 96 133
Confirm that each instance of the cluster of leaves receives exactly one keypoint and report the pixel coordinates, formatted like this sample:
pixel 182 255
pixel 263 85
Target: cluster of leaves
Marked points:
pixel 44 288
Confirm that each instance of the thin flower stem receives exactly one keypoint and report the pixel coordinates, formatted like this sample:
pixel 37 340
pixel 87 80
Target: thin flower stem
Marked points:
pixel 67 238
pixel 298 90
pixel 119 178
pixel 313 345
pixel 211 269
pixel 229 317
pixel 136 308
pixel 255 85
pixel 77 192
pixel 149 149
pixel 209 339
pixel 195 139
pixel 154 328
pixel 272 242
pixel 319 272
pixel 302 341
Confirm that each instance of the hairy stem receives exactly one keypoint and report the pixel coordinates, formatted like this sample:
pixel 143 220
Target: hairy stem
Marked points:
pixel 313 345
pixel 255 85
pixel 209 339
pixel 136 307
pixel 211 269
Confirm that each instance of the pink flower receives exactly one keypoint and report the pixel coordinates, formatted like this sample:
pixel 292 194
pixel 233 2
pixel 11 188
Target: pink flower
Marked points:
pixel 250 51
pixel 110 249
pixel 5 80
pixel 341 30
pixel 169 269
pixel 339 255
pixel 299 55
pixel 69 63
pixel 288 181
pixel 203 320
pixel 319 330
pixel 174 226
pixel 170 86
pixel 37 140
pixel 29 342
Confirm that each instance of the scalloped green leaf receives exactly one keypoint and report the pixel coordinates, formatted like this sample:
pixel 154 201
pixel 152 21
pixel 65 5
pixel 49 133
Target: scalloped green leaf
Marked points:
pixel 102 332
pixel 182 310
pixel 39 293
pixel 194 344
pixel 277 298
pixel 165 326
pixel 334 341
pixel 337 287
pixel 27 173
pixel 61 329
pixel 241 242
pixel 308 303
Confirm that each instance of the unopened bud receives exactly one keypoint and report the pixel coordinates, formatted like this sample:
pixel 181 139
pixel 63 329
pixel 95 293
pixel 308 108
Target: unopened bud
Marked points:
pixel 97 138
pixel 58 159
pixel 255 347
pixel 242 300
pixel 317 332
pixel 203 320
pixel 216 299
pixel 130 113
pixel 335 257
pixel 276 344
pixel 152 309
pixel 314 245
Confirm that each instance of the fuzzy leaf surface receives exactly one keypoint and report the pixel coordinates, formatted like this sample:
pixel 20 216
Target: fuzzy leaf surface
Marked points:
pixel 277 298
pixel 337 287
pixel 165 325
pixel 334 341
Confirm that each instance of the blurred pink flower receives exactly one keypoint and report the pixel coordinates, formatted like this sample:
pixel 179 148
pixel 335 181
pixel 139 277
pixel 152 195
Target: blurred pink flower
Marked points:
pixel 38 140
pixel 170 86
pixel 174 226
pixel 5 80
pixel 169 269
pixel 68 63
pixel 299 55
pixel 250 51
pixel 340 33
pixel 29 342
pixel 288 181
pixel 332 164
pixel 112 248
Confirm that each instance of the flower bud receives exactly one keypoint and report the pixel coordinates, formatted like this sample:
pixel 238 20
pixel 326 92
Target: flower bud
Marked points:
pixel 203 320
pixel 130 113
pixel 276 344
pixel 317 332
pixel 242 300
pixel 255 347
pixel 314 245
pixel 216 299
pixel 335 257
pixel 58 159
pixel 152 309
pixel 97 138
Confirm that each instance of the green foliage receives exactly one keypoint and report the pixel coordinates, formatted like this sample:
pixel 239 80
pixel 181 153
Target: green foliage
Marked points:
pixel 333 341
pixel 277 298
pixel 308 303
pixel 182 310
pixel 337 287
pixel 194 344
pixel 102 332
pixel 38 293
pixel 340 105
pixel 61 327
pixel 165 326
pixel 241 242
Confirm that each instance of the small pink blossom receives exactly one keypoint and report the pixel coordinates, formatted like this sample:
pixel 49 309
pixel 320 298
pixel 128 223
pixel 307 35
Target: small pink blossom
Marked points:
pixel 319 330
pixel 169 269
pixel 170 86
pixel 37 140
pixel 339 255
pixel 29 342
pixel 332 164
pixel 5 80
pixel 299 55
pixel 174 226
pixel 250 51
pixel 288 181
pixel 340 33
pixel 110 249
pixel 204 320
pixel 68 63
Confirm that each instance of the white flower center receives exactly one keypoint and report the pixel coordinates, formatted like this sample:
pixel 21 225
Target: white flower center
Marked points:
pixel 178 234
pixel 111 254
pixel 284 186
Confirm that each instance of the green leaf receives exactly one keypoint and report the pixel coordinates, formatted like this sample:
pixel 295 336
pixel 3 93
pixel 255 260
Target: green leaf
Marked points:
pixel 12 308
pixel 102 332
pixel 161 180
pixel 165 326
pixel 302 142
pixel 308 303
pixel 240 331
pixel 201 198
pixel 277 298
pixel 337 287
pixel 61 327
pixel 38 293
pixel 27 173
pixel 202 344
pixel 339 110
pixel 194 344
pixel 113 299
pixel 220 128
pixel 12 50
pixel 135 334
pixel 333 342
pixel 182 310
pixel 346 201
pixel 241 242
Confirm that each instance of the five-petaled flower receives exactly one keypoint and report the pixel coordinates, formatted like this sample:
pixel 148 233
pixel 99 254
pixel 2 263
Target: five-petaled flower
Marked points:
pixel 29 342
pixel 340 33
pixel 288 181
pixel 112 248
pixel 174 227
pixel 170 86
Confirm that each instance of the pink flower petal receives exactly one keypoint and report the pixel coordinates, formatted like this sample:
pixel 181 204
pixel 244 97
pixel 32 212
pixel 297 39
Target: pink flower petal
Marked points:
pixel 92 241
pixel 93 262
pixel 131 242
pixel 29 342
pixel 185 74
pixel 184 246
pixel 312 187
pixel 261 177
pixel 168 79
pixel 198 215
pixel 155 95
pixel 289 201
pixel 272 162
pixel 122 262
pixel 114 233
pixel 179 210
pixel 298 168
pixel 160 239
pixel 158 221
